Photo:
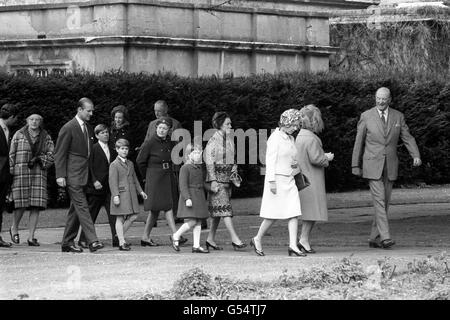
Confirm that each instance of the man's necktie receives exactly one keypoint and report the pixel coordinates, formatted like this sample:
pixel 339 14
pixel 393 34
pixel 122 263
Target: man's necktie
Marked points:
pixel 86 136
pixel 383 117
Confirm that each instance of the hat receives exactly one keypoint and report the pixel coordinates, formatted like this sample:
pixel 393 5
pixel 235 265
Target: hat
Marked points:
pixel 289 118
pixel 166 120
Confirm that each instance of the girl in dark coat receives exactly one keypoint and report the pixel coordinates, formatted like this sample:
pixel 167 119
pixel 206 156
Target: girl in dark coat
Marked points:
pixel 155 164
pixel 192 204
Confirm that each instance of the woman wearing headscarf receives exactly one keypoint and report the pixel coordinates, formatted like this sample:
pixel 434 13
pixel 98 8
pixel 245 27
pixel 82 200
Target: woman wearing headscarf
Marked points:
pixel 280 196
pixel 312 161
pixel 220 168
pixel 161 186
pixel 30 155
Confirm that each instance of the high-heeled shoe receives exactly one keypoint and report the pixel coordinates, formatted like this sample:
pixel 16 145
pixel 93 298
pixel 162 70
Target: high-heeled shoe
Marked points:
pixel 258 252
pixel 149 243
pixel 297 253
pixel 304 250
pixel 215 247
pixel 199 250
pixel 33 243
pixel 14 237
pixel 238 246
pixel 175 246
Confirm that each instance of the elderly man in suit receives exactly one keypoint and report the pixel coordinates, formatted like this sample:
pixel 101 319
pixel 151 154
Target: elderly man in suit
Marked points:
pixel 375 152
pixel 8 117
pixel 72 151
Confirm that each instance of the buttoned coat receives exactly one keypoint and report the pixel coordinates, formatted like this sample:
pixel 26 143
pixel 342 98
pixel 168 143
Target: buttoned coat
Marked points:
pixel 124 183
pixel 29 186
pixel 71 153
pixel 312 161
pixel 375 145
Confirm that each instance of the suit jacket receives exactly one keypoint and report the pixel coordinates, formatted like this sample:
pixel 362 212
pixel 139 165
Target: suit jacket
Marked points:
pixel 98 169
pixel 4 157
pixel 280 155
pixel 71 153
pixel 374 145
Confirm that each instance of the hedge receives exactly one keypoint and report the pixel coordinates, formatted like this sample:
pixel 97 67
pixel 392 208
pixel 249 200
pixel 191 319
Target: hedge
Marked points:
pixel 255 102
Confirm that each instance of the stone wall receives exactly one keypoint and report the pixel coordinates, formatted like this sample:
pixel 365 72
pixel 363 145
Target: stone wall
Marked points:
pixel 190 38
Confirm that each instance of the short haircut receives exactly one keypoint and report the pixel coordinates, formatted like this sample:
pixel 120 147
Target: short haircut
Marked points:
pixel 84 101
pixel 191 147
pixel 162 103
pixel 122 143
pixel 8 110
pixel 99 128
pixel 218 119
pixel 120 108
pixel 311 118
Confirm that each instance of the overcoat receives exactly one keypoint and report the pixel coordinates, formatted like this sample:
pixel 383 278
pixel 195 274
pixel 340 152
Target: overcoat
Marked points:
pixel 192 178
pixel 29 186
pixel 124 183
pixel 312 161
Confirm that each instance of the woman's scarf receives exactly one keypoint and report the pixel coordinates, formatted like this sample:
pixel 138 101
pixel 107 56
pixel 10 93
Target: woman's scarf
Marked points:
pixel 37 148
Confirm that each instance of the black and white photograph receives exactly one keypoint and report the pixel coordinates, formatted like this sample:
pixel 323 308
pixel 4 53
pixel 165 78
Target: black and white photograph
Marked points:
pixel 223 155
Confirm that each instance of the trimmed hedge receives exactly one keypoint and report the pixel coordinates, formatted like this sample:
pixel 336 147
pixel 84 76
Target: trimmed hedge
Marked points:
pixel 255 102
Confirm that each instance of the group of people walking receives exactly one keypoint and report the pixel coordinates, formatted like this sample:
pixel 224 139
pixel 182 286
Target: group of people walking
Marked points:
pixel 97 174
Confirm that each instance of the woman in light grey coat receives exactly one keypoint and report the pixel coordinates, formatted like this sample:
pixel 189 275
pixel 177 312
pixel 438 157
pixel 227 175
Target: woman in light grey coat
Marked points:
pixel 312 161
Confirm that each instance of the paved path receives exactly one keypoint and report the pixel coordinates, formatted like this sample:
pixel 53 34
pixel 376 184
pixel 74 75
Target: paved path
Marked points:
pixel 46 273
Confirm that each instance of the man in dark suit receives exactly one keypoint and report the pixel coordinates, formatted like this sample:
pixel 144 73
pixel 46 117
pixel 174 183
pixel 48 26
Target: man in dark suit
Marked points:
pixel 98 193
pixel 375 158
pixel 8 117
pixel 72 151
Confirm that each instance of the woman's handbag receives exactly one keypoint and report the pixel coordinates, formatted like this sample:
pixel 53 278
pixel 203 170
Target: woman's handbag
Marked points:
pixel 301 181
pixel 9 203
pixel 236 179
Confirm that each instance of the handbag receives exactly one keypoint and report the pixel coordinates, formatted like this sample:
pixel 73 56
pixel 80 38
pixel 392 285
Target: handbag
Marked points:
pixel 236 179
pixel 301 181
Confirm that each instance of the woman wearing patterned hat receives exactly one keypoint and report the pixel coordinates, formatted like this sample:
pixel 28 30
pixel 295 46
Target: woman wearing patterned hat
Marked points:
pixel 155 164
pixel 280 196
pixel 220 170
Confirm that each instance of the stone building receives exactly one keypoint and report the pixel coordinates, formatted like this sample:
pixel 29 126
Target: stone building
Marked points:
pixel 190 38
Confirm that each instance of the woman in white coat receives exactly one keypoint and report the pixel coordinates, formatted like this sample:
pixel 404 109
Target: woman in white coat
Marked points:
pixel 312 161
pixel 280 197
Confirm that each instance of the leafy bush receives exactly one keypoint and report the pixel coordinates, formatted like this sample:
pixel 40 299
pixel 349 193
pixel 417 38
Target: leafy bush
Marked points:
pixel 254 102
pixel 194 282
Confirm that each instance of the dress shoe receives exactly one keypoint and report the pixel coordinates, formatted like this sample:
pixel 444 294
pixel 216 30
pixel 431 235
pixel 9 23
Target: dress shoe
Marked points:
pixel 150 243
pixel 258 252
pixel 14 237
pixel 215 247
pixel 182 240
pixel 33 243
pixel 124 247
pixel 199 250
pixel 303 249
pixel 71 249
pixel 297 253
pixel 175 244
pixel 387 243
pixel 96 245
pixel 238 246
pixel 4 244
pixel 374 244
pixel 83 244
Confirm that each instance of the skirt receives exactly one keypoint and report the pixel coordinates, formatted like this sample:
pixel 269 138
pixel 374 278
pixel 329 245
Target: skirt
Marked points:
pixel 219 204
pixel 283 205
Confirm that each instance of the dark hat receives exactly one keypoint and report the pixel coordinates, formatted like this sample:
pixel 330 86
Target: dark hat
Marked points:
pixel 166 120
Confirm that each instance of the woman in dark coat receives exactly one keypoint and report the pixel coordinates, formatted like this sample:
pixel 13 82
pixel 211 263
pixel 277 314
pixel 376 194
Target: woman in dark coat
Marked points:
pixel 30 155
pixel 161 185
pixel 119 129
